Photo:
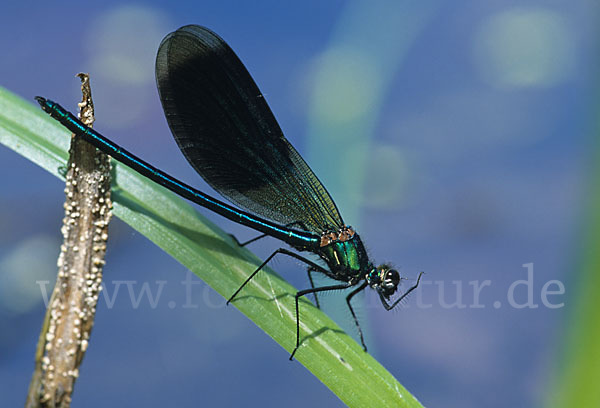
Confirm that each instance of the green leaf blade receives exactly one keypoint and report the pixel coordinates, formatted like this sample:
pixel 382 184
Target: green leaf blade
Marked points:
pixel 173 225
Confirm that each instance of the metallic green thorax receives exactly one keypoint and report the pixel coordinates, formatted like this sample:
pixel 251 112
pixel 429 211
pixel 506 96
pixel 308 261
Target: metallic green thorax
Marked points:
pixel 346 259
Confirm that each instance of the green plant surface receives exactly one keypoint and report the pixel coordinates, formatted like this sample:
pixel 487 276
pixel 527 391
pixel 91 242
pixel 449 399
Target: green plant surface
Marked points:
pixel 578 372
pixel 176 227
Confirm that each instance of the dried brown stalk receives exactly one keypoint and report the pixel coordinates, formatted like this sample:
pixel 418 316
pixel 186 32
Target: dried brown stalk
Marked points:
pixel 70 315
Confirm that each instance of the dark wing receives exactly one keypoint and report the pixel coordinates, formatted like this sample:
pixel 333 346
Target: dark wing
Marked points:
pixel 227 132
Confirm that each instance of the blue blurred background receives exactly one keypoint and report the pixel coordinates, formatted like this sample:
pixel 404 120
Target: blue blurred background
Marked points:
pixel 455 136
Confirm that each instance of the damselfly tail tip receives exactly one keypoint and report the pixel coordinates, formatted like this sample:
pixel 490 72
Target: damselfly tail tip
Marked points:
pixel 45 104
pixel 41 100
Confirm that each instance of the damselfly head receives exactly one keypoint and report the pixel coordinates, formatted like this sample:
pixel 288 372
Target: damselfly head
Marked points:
pixel 384 279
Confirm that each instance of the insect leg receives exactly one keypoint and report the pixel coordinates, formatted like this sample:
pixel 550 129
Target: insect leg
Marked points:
pixel 348 299
pixel 279 251
pixel 312 285
pixel 306 292
pixel 390 307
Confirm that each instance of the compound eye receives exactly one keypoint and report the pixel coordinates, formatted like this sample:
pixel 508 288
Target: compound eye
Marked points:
pixel 391 280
